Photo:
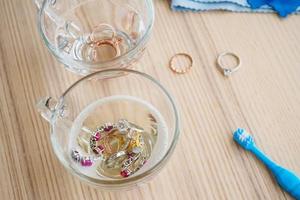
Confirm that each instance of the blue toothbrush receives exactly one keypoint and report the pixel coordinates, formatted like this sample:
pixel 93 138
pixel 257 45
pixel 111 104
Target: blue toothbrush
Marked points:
pixel 285 178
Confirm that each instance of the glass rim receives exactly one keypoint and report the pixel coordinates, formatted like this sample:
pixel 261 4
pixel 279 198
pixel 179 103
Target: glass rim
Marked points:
pixel 99 64
pixel 158 164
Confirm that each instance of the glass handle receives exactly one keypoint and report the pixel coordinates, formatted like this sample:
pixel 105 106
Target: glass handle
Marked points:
pixel 38 3
pixel 46 107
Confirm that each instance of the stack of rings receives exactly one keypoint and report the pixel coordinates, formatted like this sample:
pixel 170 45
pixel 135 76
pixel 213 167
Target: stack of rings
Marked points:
pixel 130 154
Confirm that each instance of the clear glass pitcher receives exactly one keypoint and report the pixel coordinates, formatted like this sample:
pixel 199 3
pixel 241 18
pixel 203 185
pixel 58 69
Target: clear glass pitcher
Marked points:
pixel 107 96
pixel 92 35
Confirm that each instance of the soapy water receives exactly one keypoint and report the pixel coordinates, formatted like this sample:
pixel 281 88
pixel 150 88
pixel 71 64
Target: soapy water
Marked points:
pixel 112 109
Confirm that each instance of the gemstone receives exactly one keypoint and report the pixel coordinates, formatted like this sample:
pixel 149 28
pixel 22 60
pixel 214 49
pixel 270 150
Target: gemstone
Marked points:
pixel 75 155
pixel 227 72
pixel 99 149
pixel 97 136
pixel 130 155
pixel 125 173
pixel 95 150
pixel 86 162
pixel 108 128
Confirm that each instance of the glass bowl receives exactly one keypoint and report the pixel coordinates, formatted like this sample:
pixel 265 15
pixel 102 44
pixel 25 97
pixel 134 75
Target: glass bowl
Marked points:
pixel 92 35
pixel 107 96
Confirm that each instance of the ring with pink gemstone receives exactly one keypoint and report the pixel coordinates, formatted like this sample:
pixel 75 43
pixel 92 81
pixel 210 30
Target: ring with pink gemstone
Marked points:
pixel 126 171
pixel 97 135
pixel 132 157
pixel 123 126
pixel 85 161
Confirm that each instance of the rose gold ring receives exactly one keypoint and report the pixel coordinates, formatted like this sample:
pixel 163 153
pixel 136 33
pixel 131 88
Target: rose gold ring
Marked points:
pixel 181 70
pixel 111 42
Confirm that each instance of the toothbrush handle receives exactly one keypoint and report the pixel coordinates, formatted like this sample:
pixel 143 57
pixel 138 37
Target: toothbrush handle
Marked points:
pixel 288 180
pixel 262 157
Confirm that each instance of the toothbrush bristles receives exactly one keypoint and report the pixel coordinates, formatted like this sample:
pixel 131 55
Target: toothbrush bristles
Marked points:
pixel 243 138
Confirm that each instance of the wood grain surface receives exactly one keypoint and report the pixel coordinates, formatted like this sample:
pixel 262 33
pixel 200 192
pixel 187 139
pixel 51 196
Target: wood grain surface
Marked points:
pixel 263 97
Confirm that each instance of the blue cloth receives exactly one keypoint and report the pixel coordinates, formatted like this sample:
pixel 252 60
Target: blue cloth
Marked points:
pixel 283 7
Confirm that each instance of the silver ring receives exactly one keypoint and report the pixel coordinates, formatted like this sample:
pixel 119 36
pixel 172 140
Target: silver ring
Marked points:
pixel 125 171
pixel 130 160
pixel 113 158
pixel 228 71
pixel 85 161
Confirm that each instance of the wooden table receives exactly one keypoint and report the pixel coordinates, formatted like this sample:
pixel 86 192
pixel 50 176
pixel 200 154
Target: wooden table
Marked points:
pixel 263 97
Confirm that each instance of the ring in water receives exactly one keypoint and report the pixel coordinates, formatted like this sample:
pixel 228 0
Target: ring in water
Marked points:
pixel 124 150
